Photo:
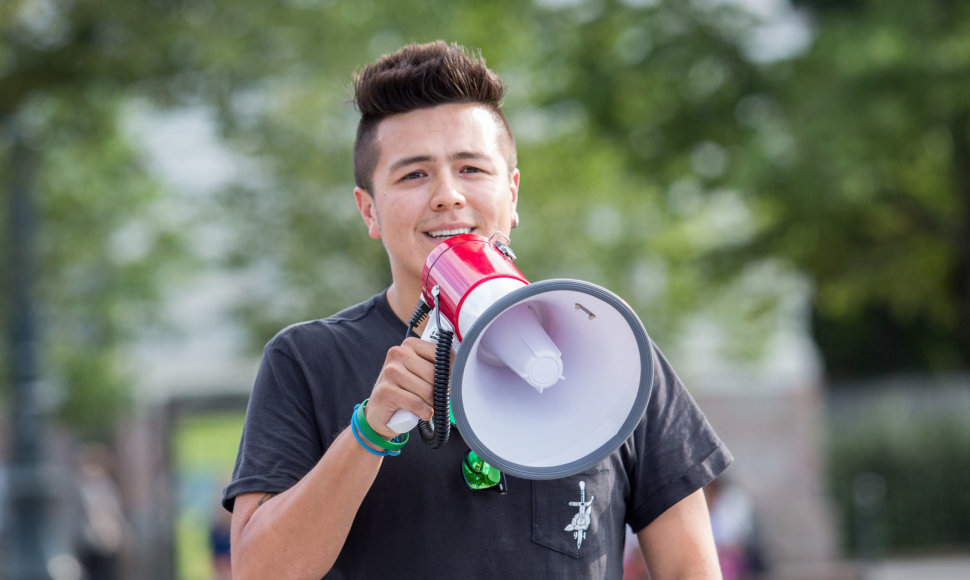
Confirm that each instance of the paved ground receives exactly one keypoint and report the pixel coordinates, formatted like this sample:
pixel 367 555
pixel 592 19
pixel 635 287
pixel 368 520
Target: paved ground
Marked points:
pixel 941 568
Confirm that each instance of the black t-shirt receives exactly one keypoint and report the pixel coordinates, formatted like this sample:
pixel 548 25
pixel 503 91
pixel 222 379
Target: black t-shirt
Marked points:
pixel 419 519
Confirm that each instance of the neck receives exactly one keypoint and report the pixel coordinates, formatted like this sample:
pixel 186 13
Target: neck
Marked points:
pixel 403 301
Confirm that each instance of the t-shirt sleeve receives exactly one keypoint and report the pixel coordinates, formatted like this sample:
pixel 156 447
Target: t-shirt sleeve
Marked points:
pixel 280 441
pixel 677 450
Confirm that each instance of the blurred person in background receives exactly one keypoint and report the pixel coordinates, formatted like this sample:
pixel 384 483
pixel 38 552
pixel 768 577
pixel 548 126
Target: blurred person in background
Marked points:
pixel 219 544
pixel 315 493
pixel 733 523
pixel 102 526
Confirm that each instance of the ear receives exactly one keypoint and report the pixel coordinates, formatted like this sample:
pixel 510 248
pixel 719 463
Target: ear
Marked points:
pixel 368 211
pixel 514 189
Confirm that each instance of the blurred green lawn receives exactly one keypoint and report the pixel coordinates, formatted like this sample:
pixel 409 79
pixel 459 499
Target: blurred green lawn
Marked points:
pixel 205 450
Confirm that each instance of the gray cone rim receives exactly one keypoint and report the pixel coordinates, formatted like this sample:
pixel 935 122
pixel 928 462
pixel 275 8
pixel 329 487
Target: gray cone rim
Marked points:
pixel 637 410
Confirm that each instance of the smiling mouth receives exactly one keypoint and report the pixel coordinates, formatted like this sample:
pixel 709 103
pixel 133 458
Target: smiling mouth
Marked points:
pixel 445 234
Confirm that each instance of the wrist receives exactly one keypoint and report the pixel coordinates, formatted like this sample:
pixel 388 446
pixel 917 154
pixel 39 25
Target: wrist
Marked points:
pixel 369 439
pixel 364 443
pixel 364 418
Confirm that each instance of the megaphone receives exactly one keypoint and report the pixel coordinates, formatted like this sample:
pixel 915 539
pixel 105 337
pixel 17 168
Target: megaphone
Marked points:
pixel 549 378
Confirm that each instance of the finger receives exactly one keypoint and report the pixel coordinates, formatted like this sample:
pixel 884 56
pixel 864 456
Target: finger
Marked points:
pixel 422 363
pixel 378 417
pixel 410 373
pixel 422 348
pixel 404 383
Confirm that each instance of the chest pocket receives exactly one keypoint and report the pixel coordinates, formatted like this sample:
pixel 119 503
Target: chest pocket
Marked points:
pixel 572 515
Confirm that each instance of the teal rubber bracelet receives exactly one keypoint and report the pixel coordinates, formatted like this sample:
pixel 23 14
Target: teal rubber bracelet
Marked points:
pixel 373 436
pixel 356 430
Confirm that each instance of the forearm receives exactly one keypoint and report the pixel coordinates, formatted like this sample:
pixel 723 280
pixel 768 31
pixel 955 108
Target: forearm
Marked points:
pixel 299 533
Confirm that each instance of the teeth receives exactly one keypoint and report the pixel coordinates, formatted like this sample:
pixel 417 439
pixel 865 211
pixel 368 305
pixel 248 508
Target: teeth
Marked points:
pixel 449 233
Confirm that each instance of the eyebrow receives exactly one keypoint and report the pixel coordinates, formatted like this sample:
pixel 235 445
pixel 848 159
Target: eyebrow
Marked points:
pixel 408 161
pixel 426 158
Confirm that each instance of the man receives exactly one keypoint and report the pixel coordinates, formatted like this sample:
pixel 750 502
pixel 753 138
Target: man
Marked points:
pixel 313 493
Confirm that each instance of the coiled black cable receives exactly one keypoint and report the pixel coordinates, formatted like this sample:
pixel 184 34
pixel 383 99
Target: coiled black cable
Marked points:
pixel 435 433
pixel 421 310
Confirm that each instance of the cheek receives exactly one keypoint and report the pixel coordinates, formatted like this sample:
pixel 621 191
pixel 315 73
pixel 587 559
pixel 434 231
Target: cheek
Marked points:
pixel 503 208
pixel 394 215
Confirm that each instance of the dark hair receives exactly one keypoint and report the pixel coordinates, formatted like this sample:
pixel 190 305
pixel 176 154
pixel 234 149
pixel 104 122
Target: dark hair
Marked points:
pixel 420 76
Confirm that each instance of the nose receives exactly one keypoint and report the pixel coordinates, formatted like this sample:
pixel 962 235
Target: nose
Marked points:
pixel 446 194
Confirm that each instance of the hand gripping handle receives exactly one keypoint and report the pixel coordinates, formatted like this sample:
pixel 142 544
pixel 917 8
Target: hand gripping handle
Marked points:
pixel 402 421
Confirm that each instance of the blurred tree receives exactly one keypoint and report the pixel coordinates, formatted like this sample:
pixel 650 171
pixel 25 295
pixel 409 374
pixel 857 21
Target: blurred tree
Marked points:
pixel 660 158
pixel 864 170
pixel 105 243
pixel 627 140
pixel 63 71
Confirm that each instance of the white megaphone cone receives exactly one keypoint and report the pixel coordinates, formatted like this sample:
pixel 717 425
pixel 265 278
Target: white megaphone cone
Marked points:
pixel 549 378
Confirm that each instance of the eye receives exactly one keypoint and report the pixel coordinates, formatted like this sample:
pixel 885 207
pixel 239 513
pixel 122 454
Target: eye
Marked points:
pixel 472 169
pixel 417 174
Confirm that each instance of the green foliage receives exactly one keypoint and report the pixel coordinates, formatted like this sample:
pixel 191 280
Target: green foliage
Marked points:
pixel 872 194
pixel 101 247
pixel 658 159
pixel 916 466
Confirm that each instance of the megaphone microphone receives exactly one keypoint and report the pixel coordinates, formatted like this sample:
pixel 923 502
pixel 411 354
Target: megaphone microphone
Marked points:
pixel 549 378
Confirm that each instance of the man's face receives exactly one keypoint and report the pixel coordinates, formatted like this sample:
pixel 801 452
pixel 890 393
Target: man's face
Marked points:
pixel 440 172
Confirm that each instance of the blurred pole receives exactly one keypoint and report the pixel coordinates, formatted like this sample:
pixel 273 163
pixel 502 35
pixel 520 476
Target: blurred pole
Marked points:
pixel 29 486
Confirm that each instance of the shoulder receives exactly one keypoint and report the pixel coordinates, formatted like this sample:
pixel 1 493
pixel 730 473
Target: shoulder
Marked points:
pixel 367 318
pixel 369 326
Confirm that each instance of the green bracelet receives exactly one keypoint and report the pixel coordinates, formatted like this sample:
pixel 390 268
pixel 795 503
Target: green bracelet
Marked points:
pixel 374 437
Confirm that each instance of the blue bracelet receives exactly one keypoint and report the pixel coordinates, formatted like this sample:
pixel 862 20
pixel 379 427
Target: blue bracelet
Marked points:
pixel 355 428
pixel 395 444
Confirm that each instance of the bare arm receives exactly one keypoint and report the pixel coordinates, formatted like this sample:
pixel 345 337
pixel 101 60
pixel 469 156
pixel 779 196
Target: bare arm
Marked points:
pixel 679 544
pixel 300 532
